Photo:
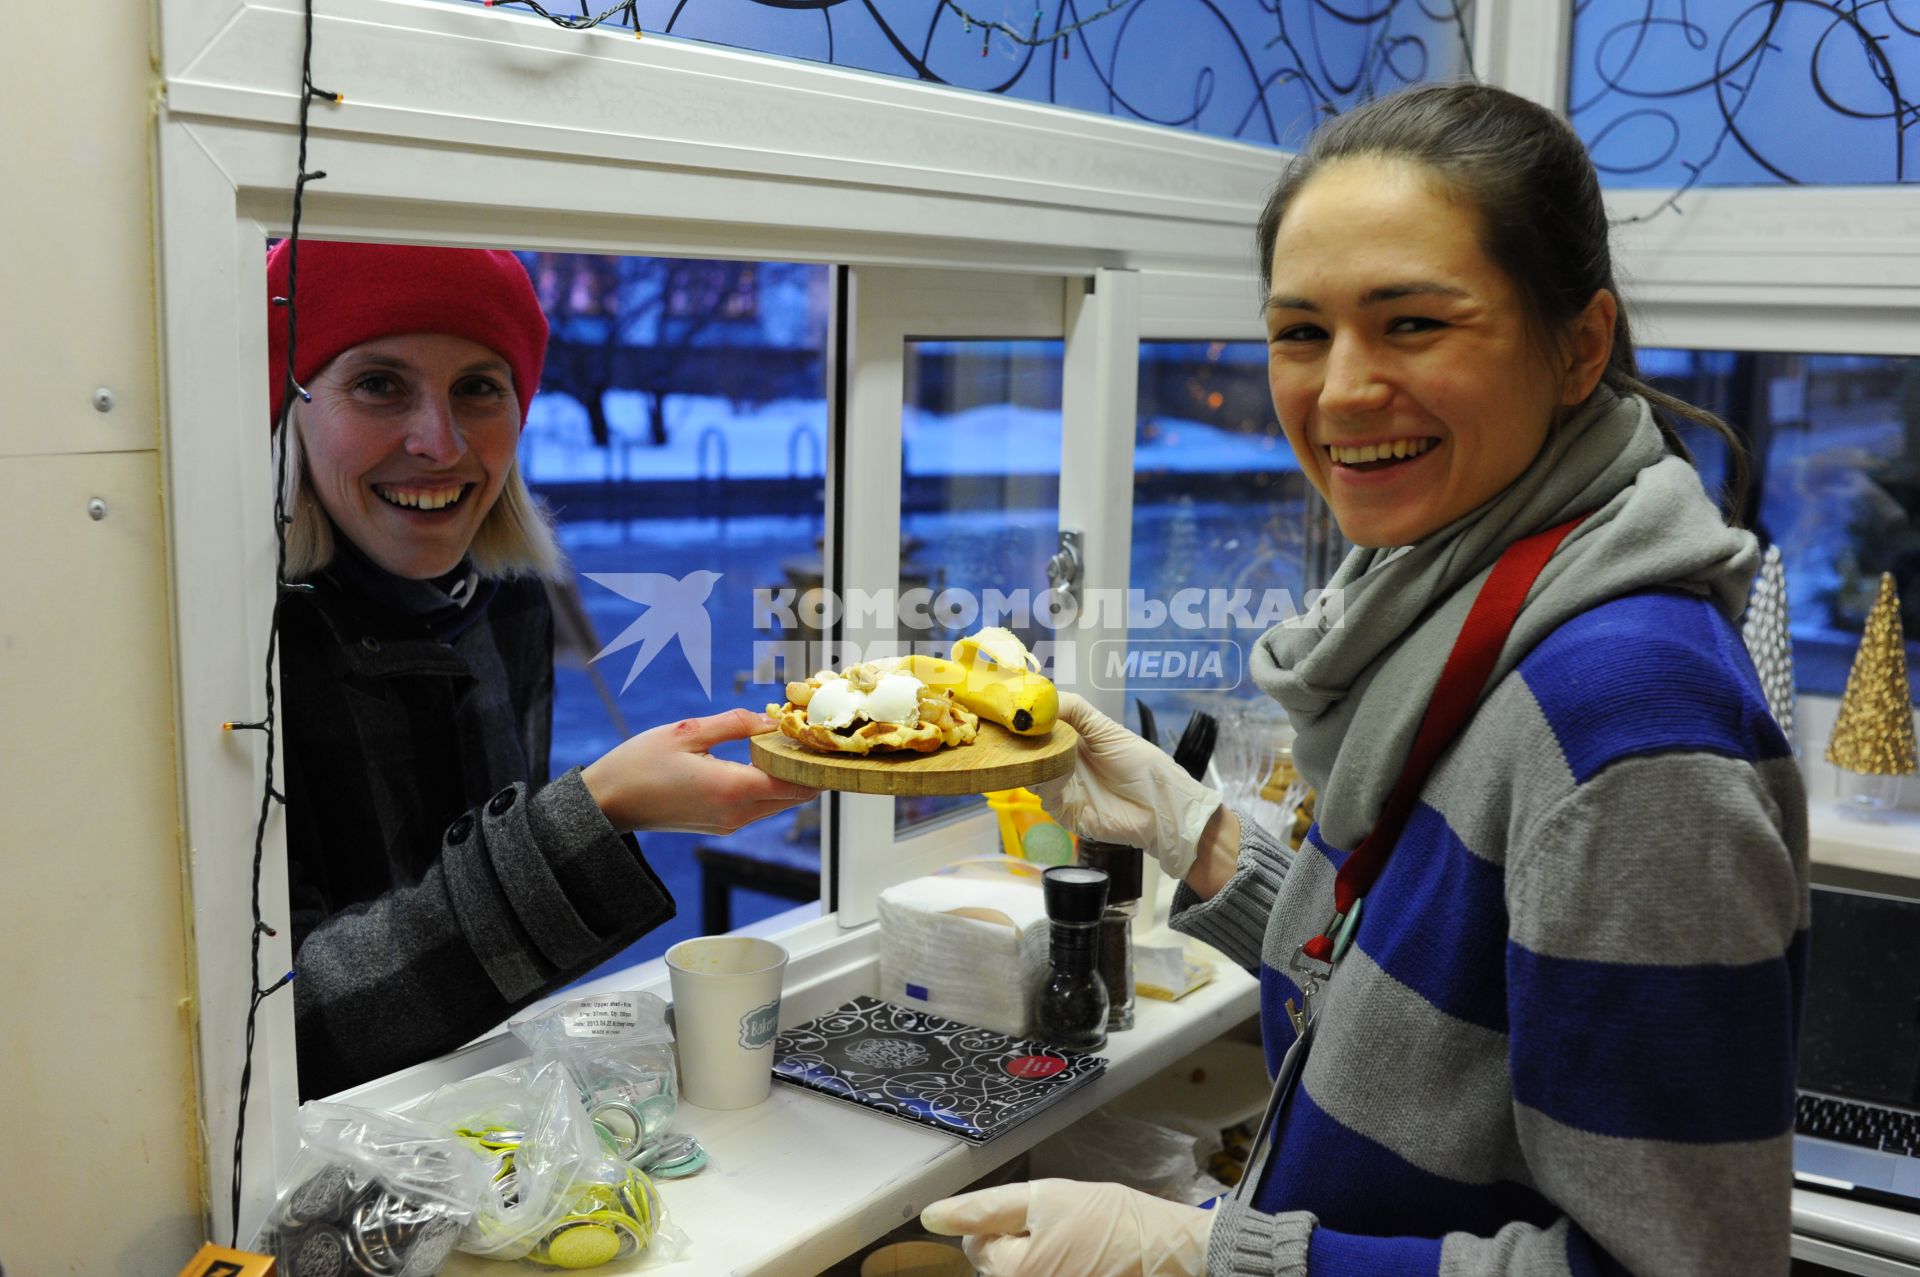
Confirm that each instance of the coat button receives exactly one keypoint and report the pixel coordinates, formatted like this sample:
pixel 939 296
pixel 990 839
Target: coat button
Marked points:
pixel 457 832
pixel 371 643
pixel 499 804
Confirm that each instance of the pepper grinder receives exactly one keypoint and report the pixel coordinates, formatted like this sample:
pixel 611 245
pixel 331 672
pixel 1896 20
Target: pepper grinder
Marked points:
pixel 1122 865
pixel 1072 1010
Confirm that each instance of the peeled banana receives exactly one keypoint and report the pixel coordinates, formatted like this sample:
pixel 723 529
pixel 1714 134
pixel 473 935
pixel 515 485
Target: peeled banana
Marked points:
pixel 994 675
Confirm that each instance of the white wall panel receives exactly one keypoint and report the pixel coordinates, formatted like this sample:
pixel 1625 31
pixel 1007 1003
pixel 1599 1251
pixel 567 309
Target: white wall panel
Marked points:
pixel 73 217
pixel 95 1057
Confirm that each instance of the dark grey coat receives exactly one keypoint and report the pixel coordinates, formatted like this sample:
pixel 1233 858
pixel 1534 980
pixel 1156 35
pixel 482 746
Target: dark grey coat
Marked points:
pixel 438 881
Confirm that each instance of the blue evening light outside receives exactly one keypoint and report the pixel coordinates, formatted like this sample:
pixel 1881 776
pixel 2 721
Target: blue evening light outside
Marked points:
pixel 734 484
pixel 1251 70
pixel 1737 93
pixel 1219 506
pixel 1834 445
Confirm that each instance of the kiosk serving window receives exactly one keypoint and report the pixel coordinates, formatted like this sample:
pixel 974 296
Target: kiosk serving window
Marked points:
pixel 452 132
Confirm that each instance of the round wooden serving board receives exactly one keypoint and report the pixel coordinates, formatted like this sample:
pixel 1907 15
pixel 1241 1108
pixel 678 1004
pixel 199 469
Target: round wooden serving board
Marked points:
pixel 997 759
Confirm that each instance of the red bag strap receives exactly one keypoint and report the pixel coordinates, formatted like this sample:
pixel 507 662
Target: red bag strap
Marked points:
pixel 1462 679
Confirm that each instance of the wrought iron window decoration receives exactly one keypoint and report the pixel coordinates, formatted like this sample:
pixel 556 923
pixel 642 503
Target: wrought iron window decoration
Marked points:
pixel 1260 70
pixel 1686 93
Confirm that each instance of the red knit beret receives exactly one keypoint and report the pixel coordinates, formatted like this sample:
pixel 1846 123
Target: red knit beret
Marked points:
pixel 350 293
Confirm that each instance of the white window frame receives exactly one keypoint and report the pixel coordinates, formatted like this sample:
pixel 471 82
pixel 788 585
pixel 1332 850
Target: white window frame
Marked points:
pixel 891 306
pixel 471 126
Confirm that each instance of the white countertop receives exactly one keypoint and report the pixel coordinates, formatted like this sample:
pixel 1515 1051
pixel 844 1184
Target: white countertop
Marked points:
pixel 1854 1236
pixel 1887 844
pixel 802 1181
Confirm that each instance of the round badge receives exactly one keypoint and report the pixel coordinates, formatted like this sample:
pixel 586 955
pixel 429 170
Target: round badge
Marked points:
pixel 1031 1068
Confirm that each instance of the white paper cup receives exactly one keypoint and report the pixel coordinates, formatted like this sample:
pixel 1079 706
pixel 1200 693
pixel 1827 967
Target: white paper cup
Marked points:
pixel 726 1011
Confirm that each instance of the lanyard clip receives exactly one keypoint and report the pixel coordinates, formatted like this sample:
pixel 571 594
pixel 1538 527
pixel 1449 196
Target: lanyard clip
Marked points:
pixel 1312 971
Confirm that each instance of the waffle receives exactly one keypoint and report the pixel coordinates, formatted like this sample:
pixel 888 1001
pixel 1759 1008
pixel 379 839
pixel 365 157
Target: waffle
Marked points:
pixel 943 721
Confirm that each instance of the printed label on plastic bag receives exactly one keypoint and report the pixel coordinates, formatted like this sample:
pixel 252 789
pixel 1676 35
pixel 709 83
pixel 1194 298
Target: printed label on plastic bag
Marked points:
pixel 605 1017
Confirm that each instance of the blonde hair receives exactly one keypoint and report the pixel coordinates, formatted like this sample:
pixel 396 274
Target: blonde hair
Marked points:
pixel 515 539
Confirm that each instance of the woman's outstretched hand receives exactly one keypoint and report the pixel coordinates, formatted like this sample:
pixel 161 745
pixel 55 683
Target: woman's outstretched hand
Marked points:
pixel 1063 1228
pixel 664 778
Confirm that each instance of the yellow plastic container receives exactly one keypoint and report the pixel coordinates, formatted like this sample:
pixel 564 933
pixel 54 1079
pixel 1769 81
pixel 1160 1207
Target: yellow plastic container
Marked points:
pixel 1018 810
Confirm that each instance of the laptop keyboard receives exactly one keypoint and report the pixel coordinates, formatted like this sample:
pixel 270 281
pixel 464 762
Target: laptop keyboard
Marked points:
pixel 1845 1122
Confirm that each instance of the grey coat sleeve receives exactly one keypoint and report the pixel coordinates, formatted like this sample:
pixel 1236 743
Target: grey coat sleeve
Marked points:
pixel 530 891
pixel 1234 921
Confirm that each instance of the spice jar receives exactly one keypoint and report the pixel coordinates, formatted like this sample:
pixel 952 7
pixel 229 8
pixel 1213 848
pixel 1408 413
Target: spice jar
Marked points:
pixel 1071 1014
pixel 1122 865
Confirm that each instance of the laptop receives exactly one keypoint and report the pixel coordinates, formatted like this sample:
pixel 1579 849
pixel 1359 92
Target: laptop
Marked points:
pixel 1857 1128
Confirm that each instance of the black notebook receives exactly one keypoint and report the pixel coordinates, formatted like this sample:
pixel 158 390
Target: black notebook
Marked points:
pixel 956 1078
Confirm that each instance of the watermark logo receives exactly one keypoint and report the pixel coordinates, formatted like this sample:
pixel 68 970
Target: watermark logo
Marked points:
pixel 676 608
pixel 1190 610
pixel 1170 665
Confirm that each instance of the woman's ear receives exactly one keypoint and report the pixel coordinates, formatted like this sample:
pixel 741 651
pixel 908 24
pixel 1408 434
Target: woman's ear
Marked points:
pixel 1591 347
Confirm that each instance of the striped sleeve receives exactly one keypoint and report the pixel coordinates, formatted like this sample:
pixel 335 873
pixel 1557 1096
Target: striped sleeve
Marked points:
pixel 1234 920
pixel 1654 964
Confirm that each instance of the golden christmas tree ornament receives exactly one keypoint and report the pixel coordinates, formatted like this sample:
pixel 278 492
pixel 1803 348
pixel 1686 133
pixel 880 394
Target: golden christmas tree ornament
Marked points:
pixel 1872 740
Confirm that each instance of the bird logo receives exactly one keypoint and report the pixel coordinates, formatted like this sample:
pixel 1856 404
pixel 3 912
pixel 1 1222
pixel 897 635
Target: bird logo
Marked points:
pixel 676 608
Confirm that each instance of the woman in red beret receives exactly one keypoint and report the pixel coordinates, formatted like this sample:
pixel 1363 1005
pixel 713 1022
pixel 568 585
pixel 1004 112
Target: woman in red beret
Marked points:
pixel 439 879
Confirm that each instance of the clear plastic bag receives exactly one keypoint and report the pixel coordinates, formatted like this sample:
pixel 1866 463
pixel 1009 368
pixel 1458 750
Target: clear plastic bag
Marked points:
pixel 559 1194
pixel 1109 1146
pixel 618 1050
pixel 373 1194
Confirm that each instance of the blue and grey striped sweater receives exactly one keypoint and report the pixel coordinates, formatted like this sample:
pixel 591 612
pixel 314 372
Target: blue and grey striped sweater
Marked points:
pixel 1563 1040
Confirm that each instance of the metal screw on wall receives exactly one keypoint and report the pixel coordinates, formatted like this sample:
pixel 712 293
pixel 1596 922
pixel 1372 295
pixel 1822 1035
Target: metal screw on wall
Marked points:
pixel 103 400
pixel 97 509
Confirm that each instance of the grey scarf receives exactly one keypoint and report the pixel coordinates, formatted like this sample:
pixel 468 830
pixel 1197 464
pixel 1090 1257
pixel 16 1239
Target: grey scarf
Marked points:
pixel 1356 691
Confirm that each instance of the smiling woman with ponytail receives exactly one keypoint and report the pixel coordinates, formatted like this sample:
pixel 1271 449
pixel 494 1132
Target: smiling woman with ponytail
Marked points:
pixel 1529 989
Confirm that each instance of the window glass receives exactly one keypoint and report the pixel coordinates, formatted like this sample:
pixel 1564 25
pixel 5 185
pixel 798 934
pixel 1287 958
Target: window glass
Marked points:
pixel 1835 456
pixel 1732 93
pixel 1253 70
pixel 979 500
pixel 1220 512
pixel 680 430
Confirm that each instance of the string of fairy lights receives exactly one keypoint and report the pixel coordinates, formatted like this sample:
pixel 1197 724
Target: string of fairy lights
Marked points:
pixel 267 724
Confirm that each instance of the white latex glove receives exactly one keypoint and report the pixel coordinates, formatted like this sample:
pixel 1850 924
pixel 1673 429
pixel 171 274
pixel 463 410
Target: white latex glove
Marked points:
pixel 1125 790
pixel 1063 1228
